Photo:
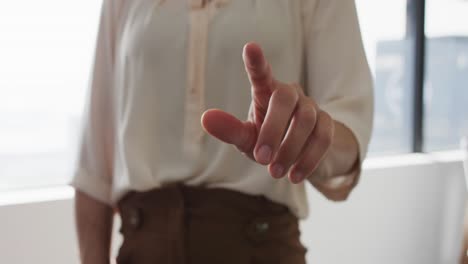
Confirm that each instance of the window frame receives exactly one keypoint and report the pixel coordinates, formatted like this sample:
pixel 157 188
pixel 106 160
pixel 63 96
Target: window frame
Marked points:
pixel 415 33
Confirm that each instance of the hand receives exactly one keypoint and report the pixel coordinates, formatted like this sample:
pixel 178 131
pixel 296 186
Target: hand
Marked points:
pixel 285 129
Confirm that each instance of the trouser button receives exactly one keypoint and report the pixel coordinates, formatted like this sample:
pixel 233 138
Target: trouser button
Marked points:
pixel 262 227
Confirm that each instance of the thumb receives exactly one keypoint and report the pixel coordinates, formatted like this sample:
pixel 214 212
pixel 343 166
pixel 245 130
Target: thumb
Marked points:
pixel 229 129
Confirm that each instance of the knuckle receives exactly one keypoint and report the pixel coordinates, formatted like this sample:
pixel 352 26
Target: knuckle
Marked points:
pixel 297 87
pixel 324 116
pixel 326 119
pixel 324 137
pixel 306 116
pixel 285 96
pixel 325 130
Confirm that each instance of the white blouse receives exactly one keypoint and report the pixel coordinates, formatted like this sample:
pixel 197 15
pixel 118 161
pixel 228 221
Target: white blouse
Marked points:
pixel 160 63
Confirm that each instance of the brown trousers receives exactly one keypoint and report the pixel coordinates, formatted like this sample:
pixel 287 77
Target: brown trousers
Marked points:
pixel 193 225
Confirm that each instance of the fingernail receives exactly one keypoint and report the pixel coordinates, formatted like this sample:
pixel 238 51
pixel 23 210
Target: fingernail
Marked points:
pixel 277 171
pixel 264 154
pixel 297 177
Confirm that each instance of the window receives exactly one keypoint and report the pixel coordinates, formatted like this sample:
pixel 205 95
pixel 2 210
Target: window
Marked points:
pixel 383 26
pixel 446 81
pixel 421 87
pixel 46 51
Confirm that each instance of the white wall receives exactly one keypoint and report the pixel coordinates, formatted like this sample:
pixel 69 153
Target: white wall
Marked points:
pixel 408 214
pixel 405 210
pixel 37 233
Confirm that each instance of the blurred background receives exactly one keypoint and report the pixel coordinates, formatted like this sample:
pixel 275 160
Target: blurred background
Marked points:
pixel 408 207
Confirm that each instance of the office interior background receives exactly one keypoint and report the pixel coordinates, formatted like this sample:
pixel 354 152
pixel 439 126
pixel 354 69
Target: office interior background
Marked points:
pixel 408 207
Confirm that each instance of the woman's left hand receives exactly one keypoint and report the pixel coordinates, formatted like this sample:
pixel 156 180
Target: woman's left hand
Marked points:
pixel 285 130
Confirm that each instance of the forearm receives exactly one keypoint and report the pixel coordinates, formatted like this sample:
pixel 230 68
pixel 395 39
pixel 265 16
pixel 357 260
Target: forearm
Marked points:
pixel 334 177
pixel 94 228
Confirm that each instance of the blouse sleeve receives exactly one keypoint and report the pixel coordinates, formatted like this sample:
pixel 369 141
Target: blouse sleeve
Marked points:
pixel 94 168
pixel 337 72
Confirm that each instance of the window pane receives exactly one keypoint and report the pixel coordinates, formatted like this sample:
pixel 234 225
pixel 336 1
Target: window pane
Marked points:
pixel 446 83
pixel 46 54
pixel 383 25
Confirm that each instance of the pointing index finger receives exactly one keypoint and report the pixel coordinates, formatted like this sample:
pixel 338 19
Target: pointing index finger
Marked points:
pixel 258 69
